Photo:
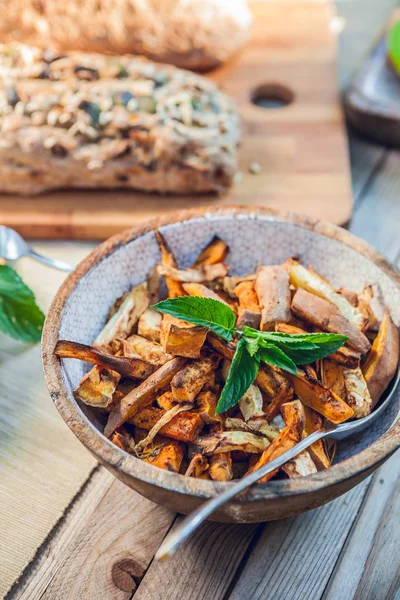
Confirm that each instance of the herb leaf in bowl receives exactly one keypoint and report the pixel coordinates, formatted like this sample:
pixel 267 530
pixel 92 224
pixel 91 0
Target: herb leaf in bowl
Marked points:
pixel 20 316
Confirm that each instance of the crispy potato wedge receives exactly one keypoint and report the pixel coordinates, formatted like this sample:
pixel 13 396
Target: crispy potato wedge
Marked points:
pixel 310 281
pixel 203 274
pixel 372 305
pixel 128 367
pixel 228 441
pixel 255 426
pixel 97 387
pixel 206 403
pixel 184 427
pixel 273 293
pixel 122 322
pixel 325 402
pixel 291 434
pixel 357 393
pixel 174 288
pixel 151 352
pixel 221 466
pixel 344 356
pixel 198 467
pixel 198 289
pixel 317 449
pixel 249 312
pixel 300 466
pixel 283 395
pixel 124 440
pixel 168 456
pixel 187 383
pixel 325 315
pixel 216 251
pixel 182 339
pixel 149 324
pixel 382 362
pixel 333 377
pixel 142 395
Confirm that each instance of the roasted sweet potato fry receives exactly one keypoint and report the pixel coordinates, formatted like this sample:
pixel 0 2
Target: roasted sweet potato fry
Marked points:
pixel 167 456
pixel 206 403
pixel 315 395
pixel 283 395
pixel 198 289
pixel 290 435
pixel 128 367
pixel 273 293
pixel 182 339
pixel 151 352
pixel 249 312
pixel 202 274
pixel 333 377
pixel 184 427
pixel 251 404
pixel 166 401
pixel 188 382
pixel 310 281
pixel 168 260
pixel 122 322
pixel 317 449
pixel 215 252
pixel 300 466
pixel 228 441
pixel 97 387
pixel 382 362
pixel 221 466
pixel 123 440
pixel 357 393
pixel 325 315
pixel 198 467
pixel 143 394
pixel 149 324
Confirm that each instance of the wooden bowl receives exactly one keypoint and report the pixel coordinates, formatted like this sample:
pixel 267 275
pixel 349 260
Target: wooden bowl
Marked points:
pixel 255 236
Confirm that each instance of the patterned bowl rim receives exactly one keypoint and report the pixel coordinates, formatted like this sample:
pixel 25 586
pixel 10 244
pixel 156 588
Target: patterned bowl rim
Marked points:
pixel 359 465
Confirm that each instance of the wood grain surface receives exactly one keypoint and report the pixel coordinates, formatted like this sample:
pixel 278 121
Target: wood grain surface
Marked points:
pixel 301 147
pixel 364 563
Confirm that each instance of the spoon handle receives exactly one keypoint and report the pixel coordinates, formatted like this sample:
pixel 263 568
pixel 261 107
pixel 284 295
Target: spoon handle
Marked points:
pixel 192 521
pixel 51 262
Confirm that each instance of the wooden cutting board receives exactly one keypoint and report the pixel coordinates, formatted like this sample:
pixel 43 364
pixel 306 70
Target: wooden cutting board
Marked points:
pixel 373 100
pixel 301 147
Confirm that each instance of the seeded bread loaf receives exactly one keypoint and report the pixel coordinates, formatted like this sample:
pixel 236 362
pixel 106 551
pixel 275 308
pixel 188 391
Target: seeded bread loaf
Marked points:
pixel 194 34
pixel 89 120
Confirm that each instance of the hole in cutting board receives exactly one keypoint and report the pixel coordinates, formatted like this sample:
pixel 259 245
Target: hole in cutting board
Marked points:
pixel 272 95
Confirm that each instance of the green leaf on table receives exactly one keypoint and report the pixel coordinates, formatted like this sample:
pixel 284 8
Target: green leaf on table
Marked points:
pixel 393 41
pixel 243 371
pixel 20 316
pixel 201 311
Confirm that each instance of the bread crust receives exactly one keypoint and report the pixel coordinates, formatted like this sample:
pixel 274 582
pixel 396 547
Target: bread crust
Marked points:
pixel 193 34
pixel 90 120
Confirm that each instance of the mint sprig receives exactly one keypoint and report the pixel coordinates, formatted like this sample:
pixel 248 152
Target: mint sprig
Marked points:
pixel 282 350
pixel 20 316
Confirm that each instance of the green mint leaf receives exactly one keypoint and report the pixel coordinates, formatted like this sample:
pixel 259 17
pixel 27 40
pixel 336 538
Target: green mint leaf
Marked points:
pixel 20 316
pixel 274 356
pixel 252 346
pixel 201 311
pixel 305 357
pixel 243 371
pixel 393 41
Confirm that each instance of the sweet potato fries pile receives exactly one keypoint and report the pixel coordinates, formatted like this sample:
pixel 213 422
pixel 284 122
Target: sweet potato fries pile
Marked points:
pixel 156 380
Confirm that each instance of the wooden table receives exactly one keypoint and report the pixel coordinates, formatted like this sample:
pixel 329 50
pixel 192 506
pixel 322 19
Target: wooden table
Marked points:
pixel 96 539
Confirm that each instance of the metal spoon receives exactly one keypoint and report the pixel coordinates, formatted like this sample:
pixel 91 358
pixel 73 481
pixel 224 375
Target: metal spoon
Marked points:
pixel 336 432
pixel 13 246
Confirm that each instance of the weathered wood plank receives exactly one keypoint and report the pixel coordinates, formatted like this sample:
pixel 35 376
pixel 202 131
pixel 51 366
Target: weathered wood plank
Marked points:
pixel 294 558
pixel 201 570
pixel 369 566
pixel 112 549
pixel 377 216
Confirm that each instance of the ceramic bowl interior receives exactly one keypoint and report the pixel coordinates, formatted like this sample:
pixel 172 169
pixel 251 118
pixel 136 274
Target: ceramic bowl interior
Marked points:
pixel 253 240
